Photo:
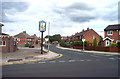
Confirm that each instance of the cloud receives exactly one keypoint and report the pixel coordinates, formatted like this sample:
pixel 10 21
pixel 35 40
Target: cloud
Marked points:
pixel 80 6
pixel 77 12
pixel 11 8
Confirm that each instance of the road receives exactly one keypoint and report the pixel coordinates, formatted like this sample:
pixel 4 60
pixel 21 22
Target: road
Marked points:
pixel 72 64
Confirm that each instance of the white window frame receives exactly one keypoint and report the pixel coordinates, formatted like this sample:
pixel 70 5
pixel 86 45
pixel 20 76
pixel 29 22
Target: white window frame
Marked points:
pixel 119 32
pixel 94 37
pixel 2 44
pixel 111 32
pixel 108 42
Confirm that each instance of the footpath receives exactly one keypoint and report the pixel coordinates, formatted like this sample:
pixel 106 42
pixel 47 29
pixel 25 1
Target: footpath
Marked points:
pixel 87 51
pixel 27 55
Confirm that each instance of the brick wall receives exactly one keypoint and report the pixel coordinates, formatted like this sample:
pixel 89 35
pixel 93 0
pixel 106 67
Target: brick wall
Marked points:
pixel 105 49
pixel 6 48
pixel 89 36
pixel 115 35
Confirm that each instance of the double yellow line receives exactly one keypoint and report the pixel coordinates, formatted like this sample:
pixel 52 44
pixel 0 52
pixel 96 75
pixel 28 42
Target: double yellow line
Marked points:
pixel 22 62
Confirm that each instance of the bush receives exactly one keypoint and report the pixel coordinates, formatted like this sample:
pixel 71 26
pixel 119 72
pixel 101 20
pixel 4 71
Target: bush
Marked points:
pixel 95 42
pixel 64 44
pixel 113 45
pixel 86 43
pixel 118 44
pixel 108 46
pixel 27 45
pixel 77 43
pixel 36 41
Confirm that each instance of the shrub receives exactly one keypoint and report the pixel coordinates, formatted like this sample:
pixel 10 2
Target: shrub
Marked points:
pixel 77 43
pixel 118 44
pixel 108 46
pixel 36 41
pixel 64 44
pixel 113 45
pixel 27 45
pixel 95 42
pixel 86 43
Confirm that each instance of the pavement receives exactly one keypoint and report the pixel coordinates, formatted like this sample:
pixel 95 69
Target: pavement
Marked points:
pixel 27 55
pixel 98 52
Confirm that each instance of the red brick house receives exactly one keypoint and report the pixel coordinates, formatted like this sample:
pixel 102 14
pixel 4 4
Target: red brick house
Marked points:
pixel 35 39
pixel 23 38
pixel 112 34
pixel 63 37
pixel 88 35
pixel 7 43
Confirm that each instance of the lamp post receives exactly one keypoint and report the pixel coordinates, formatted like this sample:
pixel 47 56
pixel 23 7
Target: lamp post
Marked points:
pixel 83 43
pixel 42 28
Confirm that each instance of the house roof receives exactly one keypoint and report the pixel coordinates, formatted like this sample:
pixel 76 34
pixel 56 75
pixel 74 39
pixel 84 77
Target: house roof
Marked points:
pixel 81 33
pixel 4 34
pixel 1 24
pixel 112 27
pixel 23 35
pixel 35 37
pixel 109 38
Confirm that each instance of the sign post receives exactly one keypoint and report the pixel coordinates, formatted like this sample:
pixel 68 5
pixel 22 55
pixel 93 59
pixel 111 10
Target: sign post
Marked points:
pixel 42 28
pixel 83 43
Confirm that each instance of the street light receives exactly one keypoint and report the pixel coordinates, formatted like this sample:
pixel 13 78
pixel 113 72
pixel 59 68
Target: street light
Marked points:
pixel 83 43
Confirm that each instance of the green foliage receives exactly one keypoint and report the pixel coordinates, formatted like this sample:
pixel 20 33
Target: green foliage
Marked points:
pixel 86 43
pixel 56 37
pixel 64 44
pixel 77 43
pixel 113 45
pixel 36 41
pixel 118 44
pixel 101 38
pixel 95 42
pixel 108 46
pixel 27 45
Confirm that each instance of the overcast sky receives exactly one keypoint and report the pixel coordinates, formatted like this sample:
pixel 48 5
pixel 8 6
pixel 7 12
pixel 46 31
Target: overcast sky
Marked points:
pixel 66 17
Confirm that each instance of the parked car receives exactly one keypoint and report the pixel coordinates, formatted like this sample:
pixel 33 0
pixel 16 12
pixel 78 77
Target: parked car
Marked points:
pixel 31 46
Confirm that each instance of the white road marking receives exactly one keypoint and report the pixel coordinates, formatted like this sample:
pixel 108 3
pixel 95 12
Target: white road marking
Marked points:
pixel 52 61
pixel 108 55
pixel 61 61
pixel 82 60
pixel 112 58
pixel 89 60
pixel 71 61
pixel 41 62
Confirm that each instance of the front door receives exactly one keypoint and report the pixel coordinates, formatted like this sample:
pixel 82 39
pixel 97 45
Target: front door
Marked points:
pixel 107 42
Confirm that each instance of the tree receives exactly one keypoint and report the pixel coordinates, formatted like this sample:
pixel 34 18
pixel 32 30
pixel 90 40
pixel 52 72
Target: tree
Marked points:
pixel 95 42
pixel 56 37
pixel 101 38
pixel 36 41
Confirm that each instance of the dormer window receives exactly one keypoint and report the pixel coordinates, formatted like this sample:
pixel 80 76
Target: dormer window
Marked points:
pixel 109 32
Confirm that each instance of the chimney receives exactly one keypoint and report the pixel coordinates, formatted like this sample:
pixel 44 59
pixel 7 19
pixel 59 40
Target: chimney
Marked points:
pixel 87 28
pixel 83 30
pixel 34 34
pixel 24 31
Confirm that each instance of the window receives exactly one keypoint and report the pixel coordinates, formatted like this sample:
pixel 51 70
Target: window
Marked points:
pixel 2 43
pixel 80 37
pixel 109 32
pixel 93 37
pixel 119 32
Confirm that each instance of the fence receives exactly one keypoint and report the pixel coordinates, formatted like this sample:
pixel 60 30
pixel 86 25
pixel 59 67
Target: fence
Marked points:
pixel 105 49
